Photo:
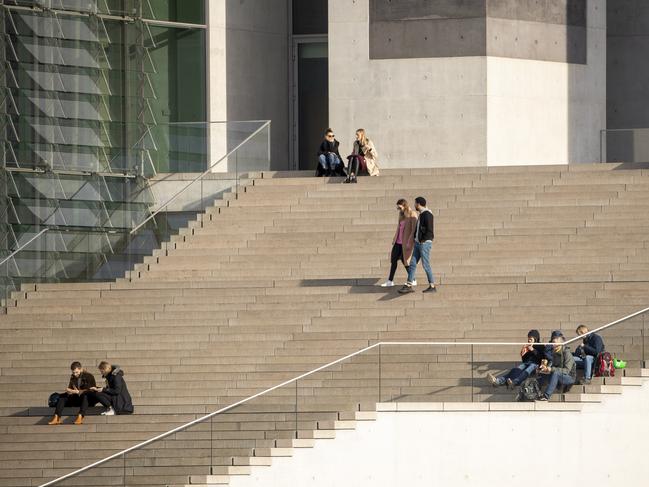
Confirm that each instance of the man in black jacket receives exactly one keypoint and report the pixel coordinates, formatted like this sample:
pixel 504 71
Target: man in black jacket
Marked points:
pixel 424 235
pixel 77 394
pixel 115 396
pixel 587 352
pixel 329 159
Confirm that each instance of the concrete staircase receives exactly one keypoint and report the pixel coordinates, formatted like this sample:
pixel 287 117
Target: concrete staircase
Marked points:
pixel 284 279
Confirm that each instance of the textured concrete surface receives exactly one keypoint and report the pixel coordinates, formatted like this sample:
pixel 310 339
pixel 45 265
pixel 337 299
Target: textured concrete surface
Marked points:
pixel 548 111
pixel 419 112
pixel 628 71
pixel 548 30
pixel 249 67
pixel 472 110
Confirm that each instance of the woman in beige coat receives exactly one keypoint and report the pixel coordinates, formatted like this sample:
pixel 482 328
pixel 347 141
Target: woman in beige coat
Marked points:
pixel 364 147
pixel 403 242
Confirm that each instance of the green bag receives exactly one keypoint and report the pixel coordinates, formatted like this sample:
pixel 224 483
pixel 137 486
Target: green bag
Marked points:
pixel 619 364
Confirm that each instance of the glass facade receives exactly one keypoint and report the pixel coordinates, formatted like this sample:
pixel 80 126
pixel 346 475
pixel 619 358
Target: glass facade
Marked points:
pixel 82 90
pixel 89 89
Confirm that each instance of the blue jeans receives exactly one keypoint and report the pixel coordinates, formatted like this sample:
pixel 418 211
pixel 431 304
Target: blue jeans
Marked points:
pixel 421 252
pixel 553 380
pixel 328 161
pixel 527 368
pixel 586 364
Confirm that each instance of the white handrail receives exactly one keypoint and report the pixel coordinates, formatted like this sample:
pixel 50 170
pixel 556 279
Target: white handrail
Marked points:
pixel 201 176
pixel 311 372
pixel 19 249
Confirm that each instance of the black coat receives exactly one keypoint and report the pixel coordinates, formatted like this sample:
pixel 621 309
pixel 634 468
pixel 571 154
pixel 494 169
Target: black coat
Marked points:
pixel 592 345
pixel 424 230
pixel 116 389
pixel 535 356
pixel 326 147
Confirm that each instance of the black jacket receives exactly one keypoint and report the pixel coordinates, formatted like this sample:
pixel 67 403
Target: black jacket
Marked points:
pixel 116 388
pixel 327 147
pixel 593 345
pixel 424 230
pixel 535 356
pixel 84 382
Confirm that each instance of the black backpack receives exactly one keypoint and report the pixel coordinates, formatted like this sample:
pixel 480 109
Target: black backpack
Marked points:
pixel 530 390
pixel 53 399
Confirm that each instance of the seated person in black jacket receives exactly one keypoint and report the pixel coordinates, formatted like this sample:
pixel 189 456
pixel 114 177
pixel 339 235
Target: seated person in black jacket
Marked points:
pixel 78 394
pixel 587 352
pixel 531 356
pixel 329 161
pixel 114 396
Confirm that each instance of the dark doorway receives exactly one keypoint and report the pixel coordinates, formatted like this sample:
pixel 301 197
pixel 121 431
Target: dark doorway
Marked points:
pixel 312 110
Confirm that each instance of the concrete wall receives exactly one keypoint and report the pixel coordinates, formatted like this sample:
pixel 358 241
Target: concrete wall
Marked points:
pixel 548 112
pixel 419 112
pixel 505 449
pixel 415 75
pixel 628 81
pixel 248 46
pixel 628 69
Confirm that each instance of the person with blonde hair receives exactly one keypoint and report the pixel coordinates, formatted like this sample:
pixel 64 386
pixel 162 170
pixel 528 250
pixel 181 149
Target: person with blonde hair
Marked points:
pixel 114 396
pixel 403 242
pixel 364 156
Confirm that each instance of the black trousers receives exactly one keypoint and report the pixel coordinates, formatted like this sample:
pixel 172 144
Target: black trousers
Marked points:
pixel 353 166
pixel 395 258
pixel 102 398
pixel 82 401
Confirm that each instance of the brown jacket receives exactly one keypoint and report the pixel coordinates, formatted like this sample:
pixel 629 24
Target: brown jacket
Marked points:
pixel 85 381
pixel 408 237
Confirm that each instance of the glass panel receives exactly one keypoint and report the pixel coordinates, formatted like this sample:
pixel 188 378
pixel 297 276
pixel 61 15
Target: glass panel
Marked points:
pixel 82 91
pixel 621 145
pixel 89 218
pixel 187 11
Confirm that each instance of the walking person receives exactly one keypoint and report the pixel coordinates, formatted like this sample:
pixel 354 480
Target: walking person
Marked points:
pixel 423 236
pixel 403 242
pixel 329 160
pixel 114 396
pixel 364 157
pixel 77 394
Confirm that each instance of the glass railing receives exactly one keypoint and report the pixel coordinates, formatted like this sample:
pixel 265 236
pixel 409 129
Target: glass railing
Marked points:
pixel 624 145
pixel 249 427
pixel 100 227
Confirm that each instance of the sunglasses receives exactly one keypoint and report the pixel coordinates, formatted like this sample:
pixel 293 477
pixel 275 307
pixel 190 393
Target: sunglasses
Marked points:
pixel 330 136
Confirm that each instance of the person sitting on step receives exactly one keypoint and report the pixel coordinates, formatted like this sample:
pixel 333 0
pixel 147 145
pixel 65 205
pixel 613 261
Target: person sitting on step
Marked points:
pixel 586 354
pixel 329 161
pixel 77 394
pixel 531 356
pixel 562 371
pixel 363 158
pixel 114 396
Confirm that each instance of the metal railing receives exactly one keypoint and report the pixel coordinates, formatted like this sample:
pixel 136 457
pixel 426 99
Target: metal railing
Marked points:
pixel 376 346
pixel 265 125
pixel 19 249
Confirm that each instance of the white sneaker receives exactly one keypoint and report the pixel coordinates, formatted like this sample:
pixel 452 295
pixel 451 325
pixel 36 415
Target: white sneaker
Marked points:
pixel 413 283
pixel 108 412
pixel 388 284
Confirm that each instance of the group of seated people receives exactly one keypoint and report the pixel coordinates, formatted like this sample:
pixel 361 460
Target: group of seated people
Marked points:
pixel 555 364
pixel 363 159
pixel 82 392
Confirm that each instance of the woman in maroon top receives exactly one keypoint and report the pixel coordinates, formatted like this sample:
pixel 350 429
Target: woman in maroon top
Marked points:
pixel 403 242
